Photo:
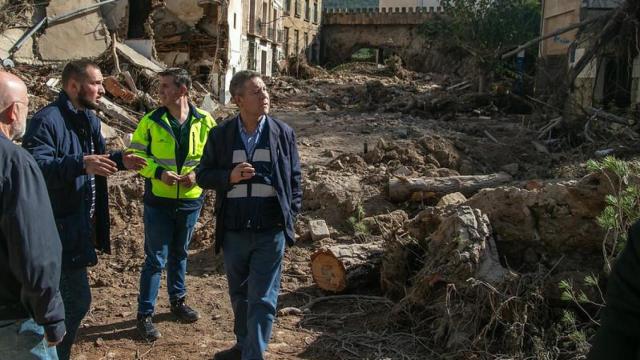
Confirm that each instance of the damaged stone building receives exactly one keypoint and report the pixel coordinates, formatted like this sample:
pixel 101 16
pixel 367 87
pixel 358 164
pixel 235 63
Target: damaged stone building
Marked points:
pixel 262 35
pixel 301 25
pixel 198 35
pixel 213 39
pixel 609 81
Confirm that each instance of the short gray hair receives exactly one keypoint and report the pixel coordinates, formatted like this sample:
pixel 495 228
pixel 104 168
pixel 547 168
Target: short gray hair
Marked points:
pixel 180 76
pixel 239 79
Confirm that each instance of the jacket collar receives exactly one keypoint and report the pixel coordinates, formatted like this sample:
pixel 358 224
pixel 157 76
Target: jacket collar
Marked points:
pixel 194 112
pixel 274 130
pixel 274 133
pixel 158 113
pixel 65 102
pixel 81 119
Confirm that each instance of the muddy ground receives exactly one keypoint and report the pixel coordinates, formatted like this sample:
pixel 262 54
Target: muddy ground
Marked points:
pixel 334 121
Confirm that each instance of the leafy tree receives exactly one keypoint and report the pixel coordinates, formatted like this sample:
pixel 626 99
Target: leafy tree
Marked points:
pixel 485 29
pixel 622 206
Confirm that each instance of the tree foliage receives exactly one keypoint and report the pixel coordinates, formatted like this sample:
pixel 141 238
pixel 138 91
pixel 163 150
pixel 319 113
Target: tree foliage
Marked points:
pixel 485 28
pixel 622 207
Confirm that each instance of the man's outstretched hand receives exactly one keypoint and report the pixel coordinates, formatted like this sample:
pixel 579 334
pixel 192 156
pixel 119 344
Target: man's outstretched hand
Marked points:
pixel 133 162
pixel 99 165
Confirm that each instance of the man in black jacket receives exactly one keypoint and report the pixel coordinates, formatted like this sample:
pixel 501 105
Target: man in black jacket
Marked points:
pixel 31 309
pixel 64 139
pixel 252 163
pixel 619 335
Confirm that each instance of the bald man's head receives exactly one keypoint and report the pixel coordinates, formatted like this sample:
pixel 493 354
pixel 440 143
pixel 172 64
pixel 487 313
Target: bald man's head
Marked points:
pixel 14 105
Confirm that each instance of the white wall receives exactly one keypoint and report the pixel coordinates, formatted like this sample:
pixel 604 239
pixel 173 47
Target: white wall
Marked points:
pixel 236 39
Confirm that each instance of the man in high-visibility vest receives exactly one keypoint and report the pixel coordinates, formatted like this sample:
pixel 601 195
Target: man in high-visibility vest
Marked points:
pixel 171 139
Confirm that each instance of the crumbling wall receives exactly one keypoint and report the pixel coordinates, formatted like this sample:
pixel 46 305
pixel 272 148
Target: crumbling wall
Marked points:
pixel 83 36
pixel 186 34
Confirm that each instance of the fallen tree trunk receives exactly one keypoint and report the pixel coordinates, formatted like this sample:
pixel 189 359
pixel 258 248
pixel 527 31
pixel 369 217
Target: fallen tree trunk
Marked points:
pixel 608 116
pixel 339 267
pixel 552 34
pixel 401 189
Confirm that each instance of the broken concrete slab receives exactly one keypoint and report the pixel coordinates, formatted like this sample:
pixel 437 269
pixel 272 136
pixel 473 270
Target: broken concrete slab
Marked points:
pixel 209 105
pixel 144 47
pixel 319 230
pixel 107 131
pixel 115 15
pixel 138 59
pixel 8 38
pixel 80 37
pixel 114 111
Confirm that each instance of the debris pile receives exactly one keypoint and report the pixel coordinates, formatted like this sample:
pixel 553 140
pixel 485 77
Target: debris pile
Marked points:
pixel 37 41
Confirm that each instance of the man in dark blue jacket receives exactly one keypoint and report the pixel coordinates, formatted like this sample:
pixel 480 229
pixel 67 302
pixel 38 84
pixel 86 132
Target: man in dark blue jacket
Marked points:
pixel 64 139
pixel 252 162
pixel 31 309
pixel 619 335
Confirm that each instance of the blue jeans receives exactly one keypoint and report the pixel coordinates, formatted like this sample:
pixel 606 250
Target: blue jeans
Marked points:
pixel 252 261
pixel 24 340
pixel 76 296
pixel 167 233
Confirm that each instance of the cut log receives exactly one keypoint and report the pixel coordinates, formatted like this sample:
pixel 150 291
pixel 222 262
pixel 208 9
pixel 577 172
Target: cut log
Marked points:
pixel 401 188
pixel 339 267
pixel 462 247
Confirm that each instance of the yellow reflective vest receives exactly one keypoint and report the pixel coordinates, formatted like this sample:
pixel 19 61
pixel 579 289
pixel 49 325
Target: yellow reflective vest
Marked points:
pixel 154 140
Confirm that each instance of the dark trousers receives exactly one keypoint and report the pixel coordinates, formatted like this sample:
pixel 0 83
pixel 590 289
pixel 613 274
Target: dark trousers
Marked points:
pixel 610 343
pixel 252 261
pixel 76 296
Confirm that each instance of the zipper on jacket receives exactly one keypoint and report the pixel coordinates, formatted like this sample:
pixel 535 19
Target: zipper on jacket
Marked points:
pixel 178 171
pixel 192 146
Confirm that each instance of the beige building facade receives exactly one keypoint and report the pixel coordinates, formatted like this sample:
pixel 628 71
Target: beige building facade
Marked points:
pixel 301 24
pixel 607 80
pixel 262 35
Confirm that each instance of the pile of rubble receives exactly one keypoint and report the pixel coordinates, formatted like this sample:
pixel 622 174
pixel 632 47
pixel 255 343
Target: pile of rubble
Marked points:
pixel 37 42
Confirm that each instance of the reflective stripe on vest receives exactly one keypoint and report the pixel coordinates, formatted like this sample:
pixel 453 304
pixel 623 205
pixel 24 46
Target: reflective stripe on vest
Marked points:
pixel 137 146
pixel 154 141
pixel 262 155
pixel 238 191
pixel 167 163
pixel 256 189
pixel 262 190
pixel 239 156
